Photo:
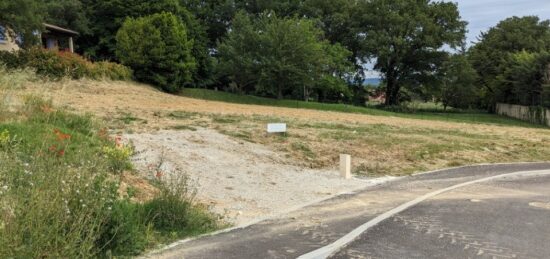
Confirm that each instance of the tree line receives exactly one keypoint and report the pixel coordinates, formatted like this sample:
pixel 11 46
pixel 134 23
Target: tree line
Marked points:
pixel 307 49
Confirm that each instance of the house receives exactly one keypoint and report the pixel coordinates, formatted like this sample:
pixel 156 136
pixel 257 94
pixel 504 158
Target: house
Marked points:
pixel 53 37
pixel 58 38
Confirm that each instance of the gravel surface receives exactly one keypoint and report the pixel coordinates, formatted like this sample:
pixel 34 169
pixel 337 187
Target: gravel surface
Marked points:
pixel 241 180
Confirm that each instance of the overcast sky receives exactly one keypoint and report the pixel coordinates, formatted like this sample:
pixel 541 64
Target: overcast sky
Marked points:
pixel 483 14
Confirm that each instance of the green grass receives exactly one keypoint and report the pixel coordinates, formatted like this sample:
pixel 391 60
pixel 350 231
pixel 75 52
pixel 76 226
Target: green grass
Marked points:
pixel 430 113
pixel 59 192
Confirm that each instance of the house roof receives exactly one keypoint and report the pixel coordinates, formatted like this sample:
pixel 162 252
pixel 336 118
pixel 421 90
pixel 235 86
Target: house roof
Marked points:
pixel 51 27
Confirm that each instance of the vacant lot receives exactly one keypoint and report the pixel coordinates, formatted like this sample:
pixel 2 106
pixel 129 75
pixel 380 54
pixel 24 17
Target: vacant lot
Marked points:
pixel 380 145
pixel 245 174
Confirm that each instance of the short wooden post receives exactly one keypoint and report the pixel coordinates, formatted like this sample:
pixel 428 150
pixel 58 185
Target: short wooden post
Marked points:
pixel 345 166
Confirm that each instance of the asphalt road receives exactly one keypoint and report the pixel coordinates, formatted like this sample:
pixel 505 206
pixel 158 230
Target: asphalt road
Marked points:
pixel 499 218
pixel 506 218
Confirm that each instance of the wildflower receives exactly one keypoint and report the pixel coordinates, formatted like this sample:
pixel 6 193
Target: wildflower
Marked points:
pixel 60 135
pixel 118 142
pixel 159 174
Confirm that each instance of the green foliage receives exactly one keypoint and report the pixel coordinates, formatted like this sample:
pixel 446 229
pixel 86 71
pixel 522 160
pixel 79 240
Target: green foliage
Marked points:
pixel 67 14
pixel 173 211
pixel 523 78
pixel 493 57
pixel 124 231
pixel 56 191
pixel 406 38
pixel 107 16
pixel 59 199
pixel 156 47
pixel 280 57
pixel 458 83
pixel 22 17
pixel 56 65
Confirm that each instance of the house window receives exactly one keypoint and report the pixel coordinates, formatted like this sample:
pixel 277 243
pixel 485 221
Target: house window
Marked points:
pixel 3 37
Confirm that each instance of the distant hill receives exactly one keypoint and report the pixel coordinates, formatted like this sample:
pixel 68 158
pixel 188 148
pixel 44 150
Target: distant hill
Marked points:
pixel 372 81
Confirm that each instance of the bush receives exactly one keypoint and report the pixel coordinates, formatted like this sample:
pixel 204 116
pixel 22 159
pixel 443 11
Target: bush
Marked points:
pixel 174 212
pixel 124 232
pixel 156 47
pixel 59 64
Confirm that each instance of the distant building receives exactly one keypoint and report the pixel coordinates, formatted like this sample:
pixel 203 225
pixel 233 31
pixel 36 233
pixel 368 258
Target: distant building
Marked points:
pixel 54 37
pixel 6 41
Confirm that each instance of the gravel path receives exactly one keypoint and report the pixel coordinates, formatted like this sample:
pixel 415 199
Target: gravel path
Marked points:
pixel 241 180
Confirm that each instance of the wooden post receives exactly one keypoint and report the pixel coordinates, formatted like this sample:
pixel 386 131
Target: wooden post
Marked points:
pixel 345 166
pixel 71 45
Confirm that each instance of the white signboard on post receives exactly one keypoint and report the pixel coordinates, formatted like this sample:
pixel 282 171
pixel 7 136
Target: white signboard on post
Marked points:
pixel 276 128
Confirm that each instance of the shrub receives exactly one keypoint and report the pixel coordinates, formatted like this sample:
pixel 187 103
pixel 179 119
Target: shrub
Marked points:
pixel 156 47
pixel 174 212
pixel 124 232
pixel 59 64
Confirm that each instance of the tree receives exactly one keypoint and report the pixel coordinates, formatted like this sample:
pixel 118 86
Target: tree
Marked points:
pixel 406 38
pixel 156 47
pixel 458 81
pixel 523 79
pixel 490 56
pixel 237 55
pixel 107 16
pixel 23 18
pixel 337 19
pixel 281 57
pixel 67 13
pixel 215 15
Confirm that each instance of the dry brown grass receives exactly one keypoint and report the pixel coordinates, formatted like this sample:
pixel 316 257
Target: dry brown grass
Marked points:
pixel 379 145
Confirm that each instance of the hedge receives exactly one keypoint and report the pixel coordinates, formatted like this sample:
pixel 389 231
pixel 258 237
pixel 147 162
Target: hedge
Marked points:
pixel 60 64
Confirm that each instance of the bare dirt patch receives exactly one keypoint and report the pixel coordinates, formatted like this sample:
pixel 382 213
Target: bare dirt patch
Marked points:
pixel 241 180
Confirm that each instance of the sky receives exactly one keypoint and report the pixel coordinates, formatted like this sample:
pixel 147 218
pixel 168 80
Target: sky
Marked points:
pixel 483 14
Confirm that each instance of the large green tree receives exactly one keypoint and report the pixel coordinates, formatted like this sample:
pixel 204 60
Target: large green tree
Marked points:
pixel 524 79
pixel 491 56
pixel 282 57
pixel 457 84
pixel 406 39
pixel 156 47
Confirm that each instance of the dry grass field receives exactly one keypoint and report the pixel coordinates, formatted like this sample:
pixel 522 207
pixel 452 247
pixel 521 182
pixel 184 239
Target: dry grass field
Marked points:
pixel 379 145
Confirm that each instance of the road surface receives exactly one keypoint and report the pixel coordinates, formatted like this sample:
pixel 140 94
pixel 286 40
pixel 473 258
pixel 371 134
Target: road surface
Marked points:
pixel 489 211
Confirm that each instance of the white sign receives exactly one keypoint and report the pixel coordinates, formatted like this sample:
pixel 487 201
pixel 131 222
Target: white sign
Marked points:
pixel 276 128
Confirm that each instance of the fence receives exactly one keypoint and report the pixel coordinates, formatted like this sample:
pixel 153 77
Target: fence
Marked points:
pixel 533 114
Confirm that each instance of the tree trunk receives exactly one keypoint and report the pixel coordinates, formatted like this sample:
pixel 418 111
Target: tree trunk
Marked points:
pixel 392 90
